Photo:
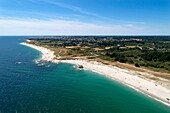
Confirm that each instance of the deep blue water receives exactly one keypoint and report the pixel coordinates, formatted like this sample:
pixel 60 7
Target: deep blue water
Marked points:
pixel 61 88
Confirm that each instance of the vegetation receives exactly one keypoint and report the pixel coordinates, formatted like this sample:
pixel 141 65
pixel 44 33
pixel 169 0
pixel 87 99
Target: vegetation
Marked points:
pixel 141 51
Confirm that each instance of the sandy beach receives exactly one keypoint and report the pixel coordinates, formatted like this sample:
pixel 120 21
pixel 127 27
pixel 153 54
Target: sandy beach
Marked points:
pixel 47 55
pixel 130 78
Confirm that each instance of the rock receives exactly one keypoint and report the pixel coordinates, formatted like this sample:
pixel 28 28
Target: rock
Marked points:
pixel 80 66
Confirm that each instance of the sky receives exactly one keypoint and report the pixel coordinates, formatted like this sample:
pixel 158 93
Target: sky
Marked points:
pixel 84 17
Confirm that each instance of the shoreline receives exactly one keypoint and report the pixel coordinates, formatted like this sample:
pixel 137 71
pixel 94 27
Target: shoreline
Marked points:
pixel 129 78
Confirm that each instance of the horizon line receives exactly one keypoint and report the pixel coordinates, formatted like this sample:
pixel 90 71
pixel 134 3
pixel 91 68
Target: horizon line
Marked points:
pixel 86 35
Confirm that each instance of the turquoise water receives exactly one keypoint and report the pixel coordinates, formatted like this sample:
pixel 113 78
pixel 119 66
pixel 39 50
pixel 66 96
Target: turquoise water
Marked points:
pixel 61 88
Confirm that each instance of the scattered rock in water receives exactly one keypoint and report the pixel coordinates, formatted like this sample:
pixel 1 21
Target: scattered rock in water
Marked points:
pixel 47 66
pixel 40 64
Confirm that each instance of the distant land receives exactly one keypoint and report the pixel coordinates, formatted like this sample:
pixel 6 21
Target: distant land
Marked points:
pixel 151 52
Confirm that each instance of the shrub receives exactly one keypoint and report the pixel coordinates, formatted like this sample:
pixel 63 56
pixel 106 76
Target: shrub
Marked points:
pixel 137 65
pixel 131 61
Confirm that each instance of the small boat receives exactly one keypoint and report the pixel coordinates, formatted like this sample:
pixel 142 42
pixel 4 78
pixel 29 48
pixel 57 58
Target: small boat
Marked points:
pixel 18 62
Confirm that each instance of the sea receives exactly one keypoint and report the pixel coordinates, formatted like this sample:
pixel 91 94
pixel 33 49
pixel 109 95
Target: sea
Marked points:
pixel 27 87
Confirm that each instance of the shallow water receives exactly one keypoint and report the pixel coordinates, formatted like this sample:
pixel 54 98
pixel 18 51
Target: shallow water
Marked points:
pixel 61 88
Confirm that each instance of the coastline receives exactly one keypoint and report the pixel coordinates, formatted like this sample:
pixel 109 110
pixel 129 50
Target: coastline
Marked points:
pixel 47 55
pixel 130 78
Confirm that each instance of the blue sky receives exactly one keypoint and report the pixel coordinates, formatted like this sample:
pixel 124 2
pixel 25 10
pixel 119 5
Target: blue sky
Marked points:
pixel 84 17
